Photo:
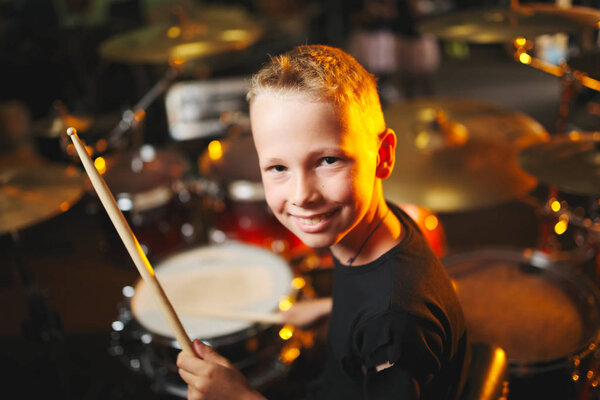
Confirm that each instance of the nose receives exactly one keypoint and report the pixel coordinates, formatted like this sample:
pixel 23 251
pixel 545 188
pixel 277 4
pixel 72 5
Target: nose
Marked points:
pixel 305 190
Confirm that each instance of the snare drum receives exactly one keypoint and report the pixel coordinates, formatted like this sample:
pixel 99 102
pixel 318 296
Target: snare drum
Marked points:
pixel 230 276
pixel 543 314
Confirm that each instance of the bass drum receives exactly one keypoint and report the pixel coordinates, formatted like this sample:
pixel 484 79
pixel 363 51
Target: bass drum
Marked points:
pixel 543 314
pixel 230 276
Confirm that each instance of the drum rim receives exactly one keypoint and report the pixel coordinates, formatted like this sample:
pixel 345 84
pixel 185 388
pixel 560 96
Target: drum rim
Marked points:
pixel 249 331
pixel 542 260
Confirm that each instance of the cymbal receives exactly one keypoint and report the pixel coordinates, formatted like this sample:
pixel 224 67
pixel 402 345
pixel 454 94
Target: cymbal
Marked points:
pixel 497 25
pixel 457 154
pixel 31 194
pixel 585 16
pixel 569 162
pixel 204 32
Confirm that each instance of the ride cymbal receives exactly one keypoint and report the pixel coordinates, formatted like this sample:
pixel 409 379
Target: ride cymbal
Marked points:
pixel 455 154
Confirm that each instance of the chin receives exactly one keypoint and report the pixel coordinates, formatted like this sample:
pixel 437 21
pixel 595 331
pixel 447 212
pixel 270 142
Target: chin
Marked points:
pixel 316 241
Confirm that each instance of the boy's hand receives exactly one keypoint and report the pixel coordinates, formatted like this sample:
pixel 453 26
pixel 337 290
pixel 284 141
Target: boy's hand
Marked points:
pixel 212 376
pixel 306 313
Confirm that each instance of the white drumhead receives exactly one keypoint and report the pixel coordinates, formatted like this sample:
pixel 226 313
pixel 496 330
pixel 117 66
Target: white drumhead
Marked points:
pixel 231 276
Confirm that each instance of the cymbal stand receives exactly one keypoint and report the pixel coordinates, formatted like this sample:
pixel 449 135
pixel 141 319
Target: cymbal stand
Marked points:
pixel 132 117
pixel 43 325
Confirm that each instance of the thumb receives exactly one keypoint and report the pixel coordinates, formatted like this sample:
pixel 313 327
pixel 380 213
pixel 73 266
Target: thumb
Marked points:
pixel 207 353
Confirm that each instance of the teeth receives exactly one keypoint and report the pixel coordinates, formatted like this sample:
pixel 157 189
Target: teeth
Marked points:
pixel 314 220
pixel 311 221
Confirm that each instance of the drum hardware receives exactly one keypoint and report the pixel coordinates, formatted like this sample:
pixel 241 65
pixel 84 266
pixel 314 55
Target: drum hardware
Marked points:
pixel 232 275
pixel 449 150
pixel 579 71
pixel 30 195
pixel 133 118
pixel 52 143
pixel 545 315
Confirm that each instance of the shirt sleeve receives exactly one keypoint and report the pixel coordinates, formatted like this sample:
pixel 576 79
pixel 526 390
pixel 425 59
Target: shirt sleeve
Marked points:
pixel 411 344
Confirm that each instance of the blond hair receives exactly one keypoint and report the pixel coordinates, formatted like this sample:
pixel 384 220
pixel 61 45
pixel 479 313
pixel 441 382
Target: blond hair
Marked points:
pixel 323 73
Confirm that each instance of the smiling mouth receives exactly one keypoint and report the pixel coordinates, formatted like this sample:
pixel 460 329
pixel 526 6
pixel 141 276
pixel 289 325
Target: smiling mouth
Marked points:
pixel 316 219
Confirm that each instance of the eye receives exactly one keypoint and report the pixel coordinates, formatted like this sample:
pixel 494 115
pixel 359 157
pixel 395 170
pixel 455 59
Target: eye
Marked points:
pixel 277 168
pixel 329 160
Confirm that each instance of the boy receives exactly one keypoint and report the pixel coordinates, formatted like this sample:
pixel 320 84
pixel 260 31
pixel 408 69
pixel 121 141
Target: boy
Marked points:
pixel 396 329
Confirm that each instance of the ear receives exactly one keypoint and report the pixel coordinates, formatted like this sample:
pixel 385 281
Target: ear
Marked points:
pixel 386 156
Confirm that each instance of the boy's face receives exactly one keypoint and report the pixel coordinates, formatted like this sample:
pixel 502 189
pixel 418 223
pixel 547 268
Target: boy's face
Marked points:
pixel 317 170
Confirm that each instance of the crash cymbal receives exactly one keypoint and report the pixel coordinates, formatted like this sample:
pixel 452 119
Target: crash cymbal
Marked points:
pixel 569 162
pixel 496 25
pixel 455 154
pixel 201 33
pixel 32 194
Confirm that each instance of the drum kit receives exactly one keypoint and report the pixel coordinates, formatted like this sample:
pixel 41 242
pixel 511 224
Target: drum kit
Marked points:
pixel 453 155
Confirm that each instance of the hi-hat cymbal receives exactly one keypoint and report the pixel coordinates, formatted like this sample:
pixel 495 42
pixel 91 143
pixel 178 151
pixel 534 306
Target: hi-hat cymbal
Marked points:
pixel 569 162
pixel 455 155
pixel 32 194
pixel 205 32
pixel 497 25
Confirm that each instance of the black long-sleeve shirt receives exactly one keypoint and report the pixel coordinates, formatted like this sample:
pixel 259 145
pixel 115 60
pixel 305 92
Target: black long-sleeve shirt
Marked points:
pixel 401 309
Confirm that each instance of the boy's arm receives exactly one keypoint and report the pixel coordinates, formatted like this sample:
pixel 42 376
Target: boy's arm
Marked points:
pixel 306 313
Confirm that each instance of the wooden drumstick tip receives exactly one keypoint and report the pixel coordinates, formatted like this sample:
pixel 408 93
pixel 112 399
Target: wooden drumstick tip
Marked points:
pixel 71 131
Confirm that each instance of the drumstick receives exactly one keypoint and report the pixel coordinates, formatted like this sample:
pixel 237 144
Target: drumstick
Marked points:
pixel 131 243
pixel 251 316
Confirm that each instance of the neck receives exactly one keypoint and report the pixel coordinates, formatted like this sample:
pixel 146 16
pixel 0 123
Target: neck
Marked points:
pixel 378 233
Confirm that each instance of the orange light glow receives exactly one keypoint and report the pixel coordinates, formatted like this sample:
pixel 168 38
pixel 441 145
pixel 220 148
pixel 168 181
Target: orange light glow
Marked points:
pixel 431 222
pixel 575 376
pixel 298 283
pixel 139 115
pixel 285 304
pixel 289 355
pixel 520 42
pixel 561 227
pixel 286 332
pixel 89 150
pixel 525 58
pixel 101 145
pixel 497 366
pixel 215 150
pixel 100 165
pixel 555 206
pixel 64 206
pixel 174 32
pixel 574 136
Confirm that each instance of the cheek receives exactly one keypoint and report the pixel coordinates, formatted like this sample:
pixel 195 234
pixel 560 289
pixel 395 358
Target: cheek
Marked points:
pixel 274 196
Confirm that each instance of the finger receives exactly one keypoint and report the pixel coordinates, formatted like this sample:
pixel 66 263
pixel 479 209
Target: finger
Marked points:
pixel 190 363
pixel 191 379
pixel 207 353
